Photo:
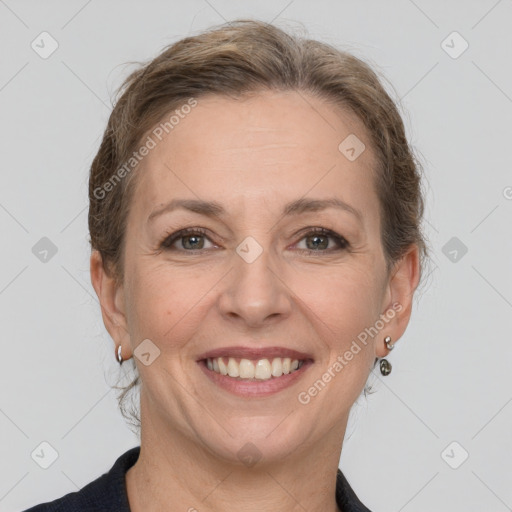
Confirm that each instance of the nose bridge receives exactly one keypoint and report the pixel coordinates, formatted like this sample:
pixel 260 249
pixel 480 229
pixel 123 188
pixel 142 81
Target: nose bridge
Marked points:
pixel 255 290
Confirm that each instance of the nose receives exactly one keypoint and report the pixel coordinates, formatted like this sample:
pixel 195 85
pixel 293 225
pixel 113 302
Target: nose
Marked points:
pixel 255 293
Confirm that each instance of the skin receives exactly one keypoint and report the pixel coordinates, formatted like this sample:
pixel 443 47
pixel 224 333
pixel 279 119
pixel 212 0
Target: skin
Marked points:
pixel 252 155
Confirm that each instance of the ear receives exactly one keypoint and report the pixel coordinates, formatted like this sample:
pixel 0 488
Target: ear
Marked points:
pixel 111 296
pixel 403 280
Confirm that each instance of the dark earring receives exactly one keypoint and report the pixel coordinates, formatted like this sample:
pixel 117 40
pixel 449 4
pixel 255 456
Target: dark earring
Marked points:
pixel 385 365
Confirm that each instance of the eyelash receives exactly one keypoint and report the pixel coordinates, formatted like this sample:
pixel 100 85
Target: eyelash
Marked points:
pixel 169 240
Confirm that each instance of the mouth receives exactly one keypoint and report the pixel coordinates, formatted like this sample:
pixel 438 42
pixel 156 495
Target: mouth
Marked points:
pixel 247 369
pixel 254 372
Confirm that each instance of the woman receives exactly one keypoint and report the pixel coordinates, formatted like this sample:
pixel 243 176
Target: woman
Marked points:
pixel 255 216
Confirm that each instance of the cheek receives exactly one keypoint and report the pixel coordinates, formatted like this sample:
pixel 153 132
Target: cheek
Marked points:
pixel 167 305
pixel 347 312
pixel 153 299
pixel 347 299
pixel 350 313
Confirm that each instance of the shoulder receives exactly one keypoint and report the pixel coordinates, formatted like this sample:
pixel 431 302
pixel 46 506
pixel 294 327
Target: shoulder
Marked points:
pixel 107 492
pixel 346 498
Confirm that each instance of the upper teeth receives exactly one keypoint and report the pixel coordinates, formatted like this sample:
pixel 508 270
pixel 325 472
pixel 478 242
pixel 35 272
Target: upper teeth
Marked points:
pixel 247 369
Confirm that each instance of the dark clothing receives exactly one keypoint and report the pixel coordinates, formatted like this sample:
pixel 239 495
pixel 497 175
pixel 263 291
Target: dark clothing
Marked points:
pixel 108 492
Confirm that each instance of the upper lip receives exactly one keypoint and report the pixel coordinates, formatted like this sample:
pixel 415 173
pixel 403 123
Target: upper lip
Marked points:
pixel 254 353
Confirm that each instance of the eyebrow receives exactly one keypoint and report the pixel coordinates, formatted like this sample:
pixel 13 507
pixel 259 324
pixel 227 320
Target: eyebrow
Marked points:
pixel 215 209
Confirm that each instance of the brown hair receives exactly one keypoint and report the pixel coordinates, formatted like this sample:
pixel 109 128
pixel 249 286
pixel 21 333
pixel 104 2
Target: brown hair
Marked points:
pixel 240 57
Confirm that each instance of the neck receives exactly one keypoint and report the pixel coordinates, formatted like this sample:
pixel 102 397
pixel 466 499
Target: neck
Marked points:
pixel 173 469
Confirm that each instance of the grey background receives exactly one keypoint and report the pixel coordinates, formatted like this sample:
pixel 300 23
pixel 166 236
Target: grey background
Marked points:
pixel 451 378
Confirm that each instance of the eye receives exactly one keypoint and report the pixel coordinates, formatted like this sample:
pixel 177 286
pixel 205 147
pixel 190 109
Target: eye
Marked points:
pixel 317 240
pixel 191 239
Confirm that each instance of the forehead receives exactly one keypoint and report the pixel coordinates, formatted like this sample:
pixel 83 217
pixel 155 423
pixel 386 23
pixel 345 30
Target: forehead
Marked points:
pixel 256 149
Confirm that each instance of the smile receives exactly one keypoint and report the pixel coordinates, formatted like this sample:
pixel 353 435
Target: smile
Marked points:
pixel 261 369
pixel 259 378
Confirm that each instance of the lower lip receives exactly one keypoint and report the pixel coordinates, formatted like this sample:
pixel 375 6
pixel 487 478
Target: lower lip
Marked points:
pixel 254 388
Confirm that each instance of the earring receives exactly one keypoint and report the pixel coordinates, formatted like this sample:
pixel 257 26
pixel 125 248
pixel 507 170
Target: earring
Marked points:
pixel 385 365
pixel 390 345
pixel 119 356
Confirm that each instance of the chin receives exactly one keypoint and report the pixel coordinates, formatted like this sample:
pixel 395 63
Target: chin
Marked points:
pixel 256 439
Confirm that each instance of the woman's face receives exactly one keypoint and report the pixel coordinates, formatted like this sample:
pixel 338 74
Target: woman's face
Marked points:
pixel 257 283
